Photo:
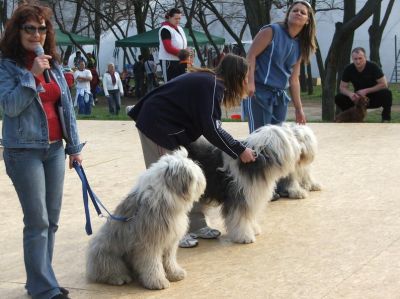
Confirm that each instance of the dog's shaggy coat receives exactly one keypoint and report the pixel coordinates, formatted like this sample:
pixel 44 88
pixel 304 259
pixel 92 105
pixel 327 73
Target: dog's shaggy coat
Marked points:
pixel 146 245
pixel 300 181
pixel 241 189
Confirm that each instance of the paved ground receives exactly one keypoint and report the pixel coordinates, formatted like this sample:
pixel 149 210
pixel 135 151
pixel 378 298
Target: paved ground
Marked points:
pixel 342 242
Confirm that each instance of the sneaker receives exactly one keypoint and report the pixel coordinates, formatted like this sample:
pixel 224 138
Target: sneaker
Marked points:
pixel 64 290
pixel 188 242
pixel 128 108
pixel 206 233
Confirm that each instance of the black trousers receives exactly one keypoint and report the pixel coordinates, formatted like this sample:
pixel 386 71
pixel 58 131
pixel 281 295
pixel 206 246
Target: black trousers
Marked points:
pixel 170 69
pixel 381 98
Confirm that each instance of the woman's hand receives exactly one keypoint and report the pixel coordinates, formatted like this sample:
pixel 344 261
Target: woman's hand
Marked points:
pixel 251 88
pixel 40 63
pixel 300 116
pixel 247 156
pixel 78 158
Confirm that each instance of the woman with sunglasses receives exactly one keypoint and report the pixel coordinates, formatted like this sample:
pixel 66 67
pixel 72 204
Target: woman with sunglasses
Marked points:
pixel 32 133
pixel 274 58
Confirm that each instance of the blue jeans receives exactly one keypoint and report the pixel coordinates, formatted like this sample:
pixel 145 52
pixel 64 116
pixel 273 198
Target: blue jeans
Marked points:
pixel 38 178
pixel 266 108
pixel 114 101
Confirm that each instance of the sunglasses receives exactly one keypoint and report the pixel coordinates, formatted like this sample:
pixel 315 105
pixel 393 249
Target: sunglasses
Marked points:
pixel 30 29
pixel 302 2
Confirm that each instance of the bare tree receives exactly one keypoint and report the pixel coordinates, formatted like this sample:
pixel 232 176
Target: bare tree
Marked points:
pixel 258 14
pixel 376 30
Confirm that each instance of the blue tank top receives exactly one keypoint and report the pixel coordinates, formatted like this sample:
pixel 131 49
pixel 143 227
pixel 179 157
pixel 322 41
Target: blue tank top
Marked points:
pixel 274 65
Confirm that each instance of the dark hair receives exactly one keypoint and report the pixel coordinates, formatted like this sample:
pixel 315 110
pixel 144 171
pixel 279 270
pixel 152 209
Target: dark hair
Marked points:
pixel 306 36
pixel 358 49
pixel 10 44
pixel 173 11
pixel 232 69
pixel 183 54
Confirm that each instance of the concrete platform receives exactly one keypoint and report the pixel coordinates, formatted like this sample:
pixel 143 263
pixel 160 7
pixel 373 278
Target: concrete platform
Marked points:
pixel 342 242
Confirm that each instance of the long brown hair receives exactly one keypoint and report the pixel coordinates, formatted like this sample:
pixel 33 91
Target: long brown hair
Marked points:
pixel 10 44
pixel 232 70
pixel 308 44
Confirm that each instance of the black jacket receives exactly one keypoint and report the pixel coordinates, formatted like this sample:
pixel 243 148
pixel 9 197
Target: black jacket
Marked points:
pixel 183 109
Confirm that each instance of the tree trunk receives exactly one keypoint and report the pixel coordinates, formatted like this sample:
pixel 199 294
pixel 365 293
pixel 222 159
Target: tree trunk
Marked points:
pixel 302 80
pixel 376 30
pixel 258 14
pixel 310 86
pixel 344 51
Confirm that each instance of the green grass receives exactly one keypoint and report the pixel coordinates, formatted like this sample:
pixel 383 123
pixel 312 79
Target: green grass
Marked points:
pixel 100 112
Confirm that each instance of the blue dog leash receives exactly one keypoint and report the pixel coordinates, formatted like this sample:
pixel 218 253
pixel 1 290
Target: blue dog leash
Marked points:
pixel 88 192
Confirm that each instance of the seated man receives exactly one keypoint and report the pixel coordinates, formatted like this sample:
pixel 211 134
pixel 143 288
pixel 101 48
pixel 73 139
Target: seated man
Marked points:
pixel 368 80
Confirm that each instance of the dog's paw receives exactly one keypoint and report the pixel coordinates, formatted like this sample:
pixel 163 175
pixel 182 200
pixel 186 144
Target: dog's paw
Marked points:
pixel 119 280
pixel 298 194
pixel 256 229
pixel 156 283
pixel 245 239
pixel 315 187
pixel 177 275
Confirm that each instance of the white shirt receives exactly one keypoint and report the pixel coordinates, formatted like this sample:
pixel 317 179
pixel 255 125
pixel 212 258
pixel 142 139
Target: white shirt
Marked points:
pixel 85 85
pixel 108 85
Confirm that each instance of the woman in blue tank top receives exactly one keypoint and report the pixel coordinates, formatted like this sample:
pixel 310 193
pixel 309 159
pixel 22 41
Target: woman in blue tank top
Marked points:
pixel 274 58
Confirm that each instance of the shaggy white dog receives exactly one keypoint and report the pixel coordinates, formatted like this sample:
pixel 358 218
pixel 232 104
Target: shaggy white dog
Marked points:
pixel 300 181
pixel 243 189
pixel 146 245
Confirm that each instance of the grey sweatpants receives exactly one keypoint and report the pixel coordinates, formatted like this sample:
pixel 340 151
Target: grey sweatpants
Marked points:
pixel 151 153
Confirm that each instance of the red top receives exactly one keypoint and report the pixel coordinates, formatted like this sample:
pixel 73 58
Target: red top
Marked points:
pixel 49 99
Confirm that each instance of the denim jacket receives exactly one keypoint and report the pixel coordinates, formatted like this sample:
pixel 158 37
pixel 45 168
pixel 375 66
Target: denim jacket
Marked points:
pixel 24 119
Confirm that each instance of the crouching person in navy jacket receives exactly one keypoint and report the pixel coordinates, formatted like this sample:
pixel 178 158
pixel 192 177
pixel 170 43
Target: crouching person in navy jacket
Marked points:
pixel 183 109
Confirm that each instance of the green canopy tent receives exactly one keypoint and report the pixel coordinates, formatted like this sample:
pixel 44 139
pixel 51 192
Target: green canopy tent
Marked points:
pixel 63 39
pixel 150 39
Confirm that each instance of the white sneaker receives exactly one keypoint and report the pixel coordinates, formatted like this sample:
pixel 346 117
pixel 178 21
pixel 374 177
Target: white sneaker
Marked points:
pixel 188 242
pixel 206 233
pixel 129 108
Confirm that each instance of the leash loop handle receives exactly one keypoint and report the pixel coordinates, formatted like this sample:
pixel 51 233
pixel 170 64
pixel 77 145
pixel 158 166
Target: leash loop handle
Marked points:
pixel 88 192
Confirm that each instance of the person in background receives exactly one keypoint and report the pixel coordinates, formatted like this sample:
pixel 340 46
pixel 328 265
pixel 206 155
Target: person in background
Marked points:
pixel 91 60
pixel 180 111
pixel 172 39
pixel 113 89
pixel 78 58
pixel 151 73
pixel 274 57
pixel 139 74
pixel 94 83
pixel 83 98
pixel 33 133
pixel 184 60
pixel 68 74
pixel 368 80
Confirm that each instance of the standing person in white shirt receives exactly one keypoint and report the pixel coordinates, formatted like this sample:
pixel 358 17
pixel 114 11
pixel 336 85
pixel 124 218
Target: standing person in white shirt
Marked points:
pixel 113 89
pixel 82 78
pixel 172 39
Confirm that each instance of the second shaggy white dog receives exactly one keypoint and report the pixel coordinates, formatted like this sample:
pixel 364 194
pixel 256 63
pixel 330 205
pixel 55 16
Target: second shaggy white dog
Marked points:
pixel 146 245
pixel 300 181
